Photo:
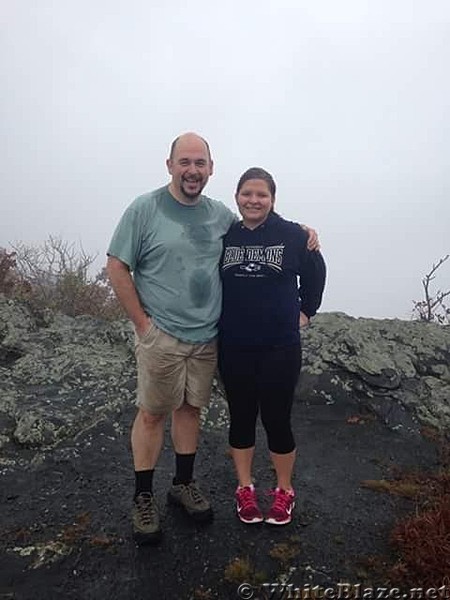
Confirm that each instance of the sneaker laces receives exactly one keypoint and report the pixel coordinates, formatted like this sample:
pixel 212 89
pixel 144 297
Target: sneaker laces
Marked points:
pixel 282 499
pixel 246 497
pixel 146 507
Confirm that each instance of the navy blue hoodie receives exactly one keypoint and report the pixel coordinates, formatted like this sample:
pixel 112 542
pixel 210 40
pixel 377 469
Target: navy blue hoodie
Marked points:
pixel 259 270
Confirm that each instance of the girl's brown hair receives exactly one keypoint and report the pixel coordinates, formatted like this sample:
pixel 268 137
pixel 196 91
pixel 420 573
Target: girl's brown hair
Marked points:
pixel 257 173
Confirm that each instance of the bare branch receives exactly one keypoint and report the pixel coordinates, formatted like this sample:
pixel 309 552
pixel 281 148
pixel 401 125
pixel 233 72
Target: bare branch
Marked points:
pixel 432 308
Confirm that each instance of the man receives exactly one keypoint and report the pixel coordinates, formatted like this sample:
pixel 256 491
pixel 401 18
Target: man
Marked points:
pixel 171 240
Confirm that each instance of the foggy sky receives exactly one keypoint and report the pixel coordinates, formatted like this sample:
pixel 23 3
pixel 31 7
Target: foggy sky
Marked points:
pixel 345 103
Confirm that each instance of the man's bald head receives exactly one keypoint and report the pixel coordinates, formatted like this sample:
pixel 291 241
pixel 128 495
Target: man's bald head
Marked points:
pixel 190 135
pixel 190 165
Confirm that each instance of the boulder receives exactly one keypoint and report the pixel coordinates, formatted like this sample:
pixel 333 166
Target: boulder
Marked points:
pixel 60 376
pixel 67 388
pixel 399 370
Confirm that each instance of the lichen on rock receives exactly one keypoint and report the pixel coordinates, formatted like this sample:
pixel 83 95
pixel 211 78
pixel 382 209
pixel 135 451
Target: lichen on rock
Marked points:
pixel 390 366
pixel 61 376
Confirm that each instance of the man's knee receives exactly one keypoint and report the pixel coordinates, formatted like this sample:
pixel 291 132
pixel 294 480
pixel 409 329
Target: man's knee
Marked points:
pixel 186 410
pixel 148 420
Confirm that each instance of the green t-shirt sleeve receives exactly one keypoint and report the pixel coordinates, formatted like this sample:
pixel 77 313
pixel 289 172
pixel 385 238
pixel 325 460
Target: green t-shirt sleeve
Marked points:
pixel 230 216
pixel 126 240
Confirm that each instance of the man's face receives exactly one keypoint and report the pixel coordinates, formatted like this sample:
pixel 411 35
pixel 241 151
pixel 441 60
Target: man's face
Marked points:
pixel 190 167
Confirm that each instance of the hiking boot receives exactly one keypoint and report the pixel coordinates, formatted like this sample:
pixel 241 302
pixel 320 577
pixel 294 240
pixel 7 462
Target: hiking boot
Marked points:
pixel 280 512
pixel 145 516
pixel 247 505
pixel 191 498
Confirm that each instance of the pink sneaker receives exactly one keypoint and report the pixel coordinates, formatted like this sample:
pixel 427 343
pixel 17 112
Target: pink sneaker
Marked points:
pixel 247 505
pixel 280 512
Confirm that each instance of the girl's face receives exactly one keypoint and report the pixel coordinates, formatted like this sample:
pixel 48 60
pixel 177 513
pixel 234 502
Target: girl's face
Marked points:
pixel 255 202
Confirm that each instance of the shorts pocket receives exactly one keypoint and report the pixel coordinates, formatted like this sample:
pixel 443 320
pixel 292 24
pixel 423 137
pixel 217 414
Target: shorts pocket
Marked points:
pixel 143 338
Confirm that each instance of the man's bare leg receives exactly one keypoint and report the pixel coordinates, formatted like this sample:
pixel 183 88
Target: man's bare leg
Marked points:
pixel 147 436
pixel 185 429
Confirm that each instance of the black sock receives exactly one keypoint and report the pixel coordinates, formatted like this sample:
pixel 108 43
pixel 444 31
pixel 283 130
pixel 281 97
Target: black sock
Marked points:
pixel 184 467
pixel 144 481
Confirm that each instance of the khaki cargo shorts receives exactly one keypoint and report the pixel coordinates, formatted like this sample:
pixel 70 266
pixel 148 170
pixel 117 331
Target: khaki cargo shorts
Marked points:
pixel 171 372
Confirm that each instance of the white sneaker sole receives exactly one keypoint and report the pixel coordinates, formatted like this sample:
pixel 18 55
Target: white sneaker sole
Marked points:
pixel 271 521
pixel 274 522
pixel 249 521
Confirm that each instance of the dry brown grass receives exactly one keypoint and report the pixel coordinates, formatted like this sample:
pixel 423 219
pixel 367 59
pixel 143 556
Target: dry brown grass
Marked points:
pixel 406 489
pixel 241 569
pixel 286 551
pixel 422 540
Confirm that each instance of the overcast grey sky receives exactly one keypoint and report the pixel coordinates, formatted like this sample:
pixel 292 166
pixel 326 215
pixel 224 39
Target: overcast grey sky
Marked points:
pixel 346 102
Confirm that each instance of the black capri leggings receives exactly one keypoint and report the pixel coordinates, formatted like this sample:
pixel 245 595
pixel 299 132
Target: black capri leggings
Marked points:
pixel 260 378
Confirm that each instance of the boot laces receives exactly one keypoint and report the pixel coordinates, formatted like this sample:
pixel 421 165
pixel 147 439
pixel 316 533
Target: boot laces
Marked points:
pixel 146 507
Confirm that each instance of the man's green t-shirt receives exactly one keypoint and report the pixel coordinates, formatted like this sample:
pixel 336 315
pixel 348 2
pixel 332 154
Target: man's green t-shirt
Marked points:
pixel 173 251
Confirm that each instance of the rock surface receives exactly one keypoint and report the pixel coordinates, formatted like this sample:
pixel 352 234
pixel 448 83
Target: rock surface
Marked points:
pixel 398 369
pixel 66 405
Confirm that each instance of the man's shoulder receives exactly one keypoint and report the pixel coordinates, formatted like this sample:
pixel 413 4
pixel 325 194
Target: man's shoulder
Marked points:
pixel 235 229
pixel 215 205
pixel 149 199
pixel 221 212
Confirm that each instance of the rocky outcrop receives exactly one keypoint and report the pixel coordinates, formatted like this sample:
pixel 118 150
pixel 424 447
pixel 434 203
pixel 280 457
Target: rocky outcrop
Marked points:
pixel 61 376
pixel 398 369
pixel 67 389
pixel 58 379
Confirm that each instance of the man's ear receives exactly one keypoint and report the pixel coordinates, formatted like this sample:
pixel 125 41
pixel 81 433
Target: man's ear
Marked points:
pixel 211 168
pixel 169 165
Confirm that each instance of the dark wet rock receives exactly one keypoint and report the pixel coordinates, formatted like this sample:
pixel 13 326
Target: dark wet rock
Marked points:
pixel 67 389
pixel 398 369
pixel 64 378
pixel 59 380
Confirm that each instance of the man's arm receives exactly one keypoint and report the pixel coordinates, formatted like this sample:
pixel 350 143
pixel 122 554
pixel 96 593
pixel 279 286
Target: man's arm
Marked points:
pixel 313 238
pixel 125 290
